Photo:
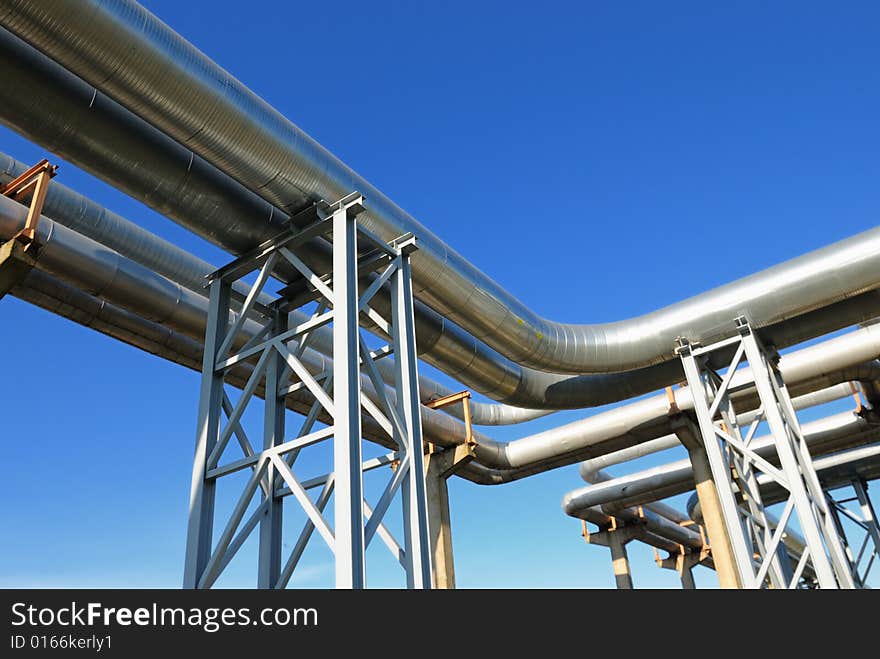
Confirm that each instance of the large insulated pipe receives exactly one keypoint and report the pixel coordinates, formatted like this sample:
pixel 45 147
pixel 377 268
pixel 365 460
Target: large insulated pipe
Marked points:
pixel 102 225
pixel 50 106
pixel 847 357
pixel 812 368
pixel 95 268
pixel 52 294
pixel 54 108
pixel 128 53
pixel 441 429
pixel 823 436
pixel 592 467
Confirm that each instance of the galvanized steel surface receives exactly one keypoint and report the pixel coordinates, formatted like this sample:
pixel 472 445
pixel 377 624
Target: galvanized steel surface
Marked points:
pixel 128 53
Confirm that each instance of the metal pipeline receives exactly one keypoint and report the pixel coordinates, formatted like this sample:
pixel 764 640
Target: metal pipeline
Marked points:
pixel 52 107
pixel 52 294
pixel 95 268
pixel 834 471
pixel 134 58
pixel 660 541
pixel 847 357
pixel 589 468
pixel 837 360
pixel 832 433
pixel 105 273
pixel 808 365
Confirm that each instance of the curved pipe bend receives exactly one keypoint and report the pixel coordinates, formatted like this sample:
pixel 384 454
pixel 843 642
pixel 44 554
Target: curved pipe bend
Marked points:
pixel 811 364
pixel 51 106
pixel 129 54
pixel 96 268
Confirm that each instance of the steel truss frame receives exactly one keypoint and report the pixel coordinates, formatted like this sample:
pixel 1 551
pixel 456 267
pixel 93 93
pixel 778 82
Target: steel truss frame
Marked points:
pixel 757 550
pixel 275 352
pixel 865 519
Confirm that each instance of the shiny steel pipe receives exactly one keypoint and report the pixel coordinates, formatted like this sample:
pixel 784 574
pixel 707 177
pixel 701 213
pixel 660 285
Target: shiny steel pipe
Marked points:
pixel 439 428
pixel 847 357
pixel 817 367
pixel 823 436
pixel 52 107
pixel 99 270
pixel 94 267
pixel 53 295
pixel 834 471
pixel 132 56
pixel 589 468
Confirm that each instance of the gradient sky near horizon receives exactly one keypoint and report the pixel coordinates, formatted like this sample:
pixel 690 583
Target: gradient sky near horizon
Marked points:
pixel 599 160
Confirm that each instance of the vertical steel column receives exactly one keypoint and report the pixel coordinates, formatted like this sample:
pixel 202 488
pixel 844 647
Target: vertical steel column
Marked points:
pixel 440 523
pixel 683 563
pixel 716 528
pixel 803 484
pixel 269 568
pixel 415 509
pixel 349 542
pixel 730 532
pixel 203 491
pixel 687 578
pixel 440 466
pixel 620 560
pixel 744 475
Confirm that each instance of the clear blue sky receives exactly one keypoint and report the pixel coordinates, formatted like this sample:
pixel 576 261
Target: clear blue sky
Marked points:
pixel 598 159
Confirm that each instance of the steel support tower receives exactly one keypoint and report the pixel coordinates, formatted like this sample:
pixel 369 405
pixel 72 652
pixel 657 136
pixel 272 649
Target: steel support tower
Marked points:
pixel 863 520
pixel 747 543
pixel 336 400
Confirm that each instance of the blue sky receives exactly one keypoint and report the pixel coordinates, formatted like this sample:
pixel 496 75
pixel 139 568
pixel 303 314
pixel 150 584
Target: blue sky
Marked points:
pixel 599 160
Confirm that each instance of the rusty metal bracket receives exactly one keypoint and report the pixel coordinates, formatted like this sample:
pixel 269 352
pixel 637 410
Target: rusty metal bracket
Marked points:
pixel 34 182
pixel 672 408
pixel 857 393
pixel 464 398
pixel 18 255
pixel 445 463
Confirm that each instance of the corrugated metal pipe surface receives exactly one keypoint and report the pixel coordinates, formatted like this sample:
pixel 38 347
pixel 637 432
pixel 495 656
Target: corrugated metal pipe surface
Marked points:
pixel 129 54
